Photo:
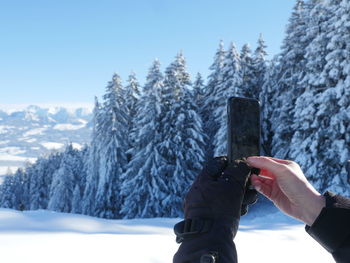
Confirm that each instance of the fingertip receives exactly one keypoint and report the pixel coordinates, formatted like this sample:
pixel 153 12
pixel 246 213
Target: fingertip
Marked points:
pixel 252 159
pixel 257 161
pixel 257 185
pixel 254 179
pixel 264 162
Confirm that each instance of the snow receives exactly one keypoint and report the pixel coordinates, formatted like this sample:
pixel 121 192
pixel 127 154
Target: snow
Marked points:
pixel 53 107
pixel 4 142
pixel 68 126
pixel 28 140
pixel 11 150
pixel 4 128
pixel 9 157
pixel 52 145
pixel 34 132
pixel 77 146
pixel 42 235
pixel 4 170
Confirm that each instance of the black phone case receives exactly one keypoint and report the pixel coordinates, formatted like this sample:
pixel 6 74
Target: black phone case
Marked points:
pixel 243 130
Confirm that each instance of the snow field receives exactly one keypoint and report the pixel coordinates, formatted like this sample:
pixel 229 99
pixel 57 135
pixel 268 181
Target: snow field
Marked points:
pixel 4 169
pixel 68 126
pixel 44 236
pixel 52 145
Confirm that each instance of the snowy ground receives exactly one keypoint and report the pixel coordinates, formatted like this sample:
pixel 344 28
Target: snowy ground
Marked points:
pixel 43 236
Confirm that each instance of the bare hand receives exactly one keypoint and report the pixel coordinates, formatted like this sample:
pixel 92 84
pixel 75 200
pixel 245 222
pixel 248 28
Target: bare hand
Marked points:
pixel 284 183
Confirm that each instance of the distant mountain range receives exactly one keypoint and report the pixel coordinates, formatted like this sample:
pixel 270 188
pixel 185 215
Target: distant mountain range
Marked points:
pixel 26 134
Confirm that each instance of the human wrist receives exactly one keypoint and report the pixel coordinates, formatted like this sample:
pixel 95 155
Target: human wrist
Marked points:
pixel 315 207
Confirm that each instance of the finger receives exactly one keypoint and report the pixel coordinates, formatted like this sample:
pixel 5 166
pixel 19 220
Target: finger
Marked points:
pixel 262 187
pixel 265 180
pixel 280 160
pixel 267 163
pixel 266 174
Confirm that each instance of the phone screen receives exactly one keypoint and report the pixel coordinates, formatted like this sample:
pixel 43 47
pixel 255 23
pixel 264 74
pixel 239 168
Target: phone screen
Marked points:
pixel 243 128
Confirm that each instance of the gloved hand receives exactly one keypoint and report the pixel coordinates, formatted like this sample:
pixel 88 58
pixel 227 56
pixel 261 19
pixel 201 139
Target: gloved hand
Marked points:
pixel 213 207
pixel 220 191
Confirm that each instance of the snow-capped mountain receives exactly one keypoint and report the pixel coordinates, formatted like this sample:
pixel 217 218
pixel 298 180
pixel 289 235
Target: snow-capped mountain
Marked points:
pixel 33 131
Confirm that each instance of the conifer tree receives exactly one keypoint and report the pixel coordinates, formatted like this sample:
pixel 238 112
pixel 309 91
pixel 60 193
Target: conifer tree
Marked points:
pixel 210 103
pixel 231 81
pixel 199 94
pixel 39 190
pixel 113 159
pixel 143 188
pixel 64 181
pixel 92 163
pixel 266 99
pixel 40 179
pixel 259 65
pixel 291 72
pixel 6 192
pixel 182 136
pixel 247 74
pixel 77 200
pixel 337 69
pixel 80 179
pixel 12 191
pixel 320 114
pixel 131 100
pixel 20 197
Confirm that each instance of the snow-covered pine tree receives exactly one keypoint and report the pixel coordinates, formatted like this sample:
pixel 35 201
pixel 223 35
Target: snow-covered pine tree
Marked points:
pixel 92 163
pixel 266 101
pixel 38 189
pixel 321 118
pixel 337 69
pixel 40 179
pixel 143 188
pixel 199 94
pixel 113 159
pixel 230 81
pixel 26 188
pixel 64 181
pixel 193 137
pixel 12 191
pixel 77 200
pixel 305 106
pixel 81 177
pixel 210 104
pixel 6 192
pixel 131 99
pixel 20 197
pixel 291 70
pixel 247 74
pixel 181 134
pixel 259 67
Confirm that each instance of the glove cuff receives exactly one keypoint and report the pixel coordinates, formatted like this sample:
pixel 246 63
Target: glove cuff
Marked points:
pixel 192 228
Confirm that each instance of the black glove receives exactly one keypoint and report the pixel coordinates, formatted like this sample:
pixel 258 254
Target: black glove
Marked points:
pixel 220 191
pixel 213 207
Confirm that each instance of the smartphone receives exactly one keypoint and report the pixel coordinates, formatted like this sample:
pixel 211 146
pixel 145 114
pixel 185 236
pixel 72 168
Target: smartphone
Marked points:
pixel 243 128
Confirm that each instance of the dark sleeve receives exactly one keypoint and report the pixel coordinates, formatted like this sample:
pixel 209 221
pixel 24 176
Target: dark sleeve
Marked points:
pixel 213 245
pixel 332 227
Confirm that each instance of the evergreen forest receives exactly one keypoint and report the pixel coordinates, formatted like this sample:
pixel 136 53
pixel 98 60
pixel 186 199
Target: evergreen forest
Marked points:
pixel 149 141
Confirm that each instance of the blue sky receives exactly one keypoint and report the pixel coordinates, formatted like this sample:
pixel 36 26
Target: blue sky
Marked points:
pixel 67 50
